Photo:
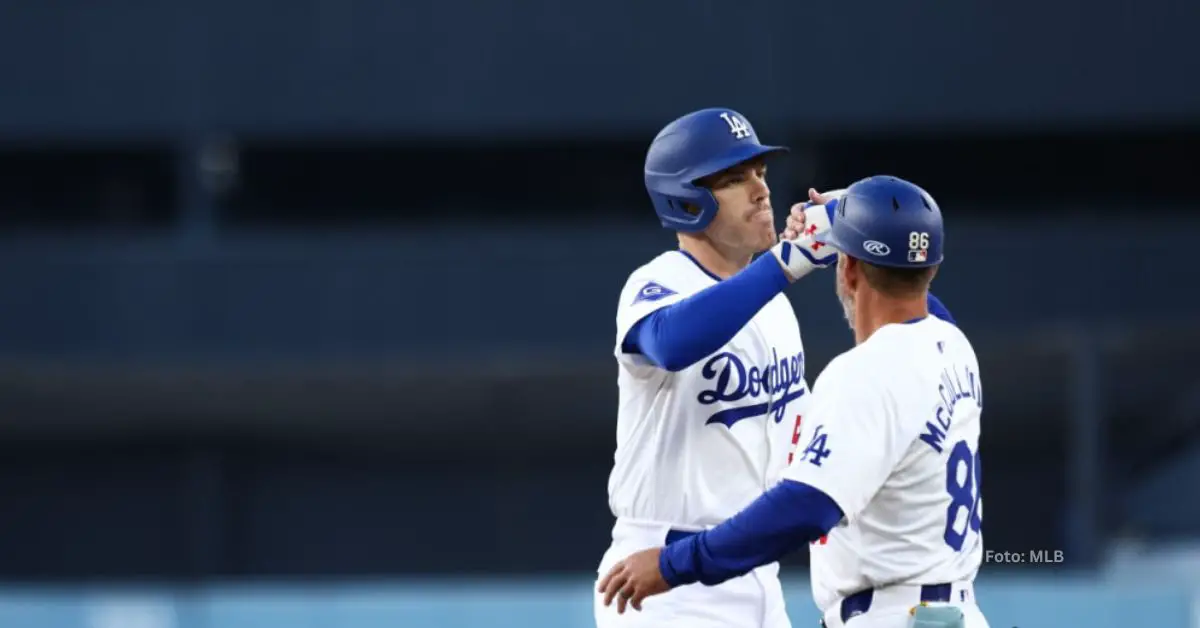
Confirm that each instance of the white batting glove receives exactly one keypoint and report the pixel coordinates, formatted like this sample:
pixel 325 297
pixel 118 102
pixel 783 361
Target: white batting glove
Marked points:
pixel 801 255
pixel 832 195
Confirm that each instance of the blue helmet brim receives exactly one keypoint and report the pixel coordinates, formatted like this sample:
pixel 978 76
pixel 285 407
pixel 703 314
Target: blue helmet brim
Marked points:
pixel 741 154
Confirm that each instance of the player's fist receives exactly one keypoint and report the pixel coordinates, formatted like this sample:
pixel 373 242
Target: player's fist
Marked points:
pixel 797 220
pixel 801 254
pixel 633 580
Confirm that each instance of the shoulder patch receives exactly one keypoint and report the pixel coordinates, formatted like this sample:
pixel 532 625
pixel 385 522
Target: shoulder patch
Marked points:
pixel 653 291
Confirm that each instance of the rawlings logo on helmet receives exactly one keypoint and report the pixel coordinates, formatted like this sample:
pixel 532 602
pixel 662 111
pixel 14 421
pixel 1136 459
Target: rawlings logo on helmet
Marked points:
pixel 875 247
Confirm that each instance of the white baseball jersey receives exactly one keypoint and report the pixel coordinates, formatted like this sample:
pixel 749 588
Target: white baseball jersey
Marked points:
pixel 697 445
pixel 892 436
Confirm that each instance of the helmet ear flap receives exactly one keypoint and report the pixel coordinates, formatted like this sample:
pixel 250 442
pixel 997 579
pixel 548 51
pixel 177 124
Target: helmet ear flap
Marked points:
pixel 686 207
pixel 705 207
pixel 690 213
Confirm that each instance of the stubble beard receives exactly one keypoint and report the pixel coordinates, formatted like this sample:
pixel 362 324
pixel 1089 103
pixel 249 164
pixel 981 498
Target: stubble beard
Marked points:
pixel 846 300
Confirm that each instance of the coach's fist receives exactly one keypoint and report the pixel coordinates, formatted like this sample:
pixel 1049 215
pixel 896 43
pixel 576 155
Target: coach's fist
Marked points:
pixel 633 580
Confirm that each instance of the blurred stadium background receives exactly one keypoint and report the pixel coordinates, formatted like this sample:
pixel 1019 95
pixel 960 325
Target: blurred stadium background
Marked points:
pixel 306 308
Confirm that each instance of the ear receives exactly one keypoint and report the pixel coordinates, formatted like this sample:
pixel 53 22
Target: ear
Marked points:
pixel 853 274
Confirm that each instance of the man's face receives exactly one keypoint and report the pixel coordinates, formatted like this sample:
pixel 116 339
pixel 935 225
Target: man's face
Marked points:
pixel 744 220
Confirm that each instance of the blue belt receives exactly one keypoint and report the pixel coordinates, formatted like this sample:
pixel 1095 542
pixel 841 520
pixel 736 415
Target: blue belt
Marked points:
pixel 860 602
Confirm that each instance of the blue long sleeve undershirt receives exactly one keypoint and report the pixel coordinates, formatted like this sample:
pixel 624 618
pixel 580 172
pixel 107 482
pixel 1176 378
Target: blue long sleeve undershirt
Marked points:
pixel 683 333
pixel 679 335
pixel 783 519
pixel 938 309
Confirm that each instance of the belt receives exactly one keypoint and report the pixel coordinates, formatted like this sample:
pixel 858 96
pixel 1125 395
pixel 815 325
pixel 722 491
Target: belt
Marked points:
pixel 855 604
pixel 860 602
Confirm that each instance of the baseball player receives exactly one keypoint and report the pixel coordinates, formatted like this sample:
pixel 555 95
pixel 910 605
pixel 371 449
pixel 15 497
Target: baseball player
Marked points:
pixel 888 472
pixel 710 363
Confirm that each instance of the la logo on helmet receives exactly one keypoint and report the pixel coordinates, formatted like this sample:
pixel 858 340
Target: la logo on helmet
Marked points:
pixel 739 128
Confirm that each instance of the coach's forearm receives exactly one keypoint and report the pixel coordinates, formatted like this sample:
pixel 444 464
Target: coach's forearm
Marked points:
pixel 939 310
pixel 683 333
pixel 789 515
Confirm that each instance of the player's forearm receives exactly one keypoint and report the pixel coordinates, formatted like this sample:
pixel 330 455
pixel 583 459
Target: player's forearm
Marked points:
pixel 936 308
pixel 683 333
pixel 789 515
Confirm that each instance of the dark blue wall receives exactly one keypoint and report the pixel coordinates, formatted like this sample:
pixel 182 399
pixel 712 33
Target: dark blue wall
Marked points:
pixel 530 67
pixel 446 294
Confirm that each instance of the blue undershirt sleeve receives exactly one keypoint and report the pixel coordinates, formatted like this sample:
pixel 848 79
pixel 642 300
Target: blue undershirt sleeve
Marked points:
pixel 938 309
pixel 681 334
pixel 781 520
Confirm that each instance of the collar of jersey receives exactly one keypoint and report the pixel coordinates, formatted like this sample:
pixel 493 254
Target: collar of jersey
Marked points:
pixel 699 265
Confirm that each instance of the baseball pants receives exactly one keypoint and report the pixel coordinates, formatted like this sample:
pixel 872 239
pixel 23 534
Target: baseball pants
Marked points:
pixel 754 600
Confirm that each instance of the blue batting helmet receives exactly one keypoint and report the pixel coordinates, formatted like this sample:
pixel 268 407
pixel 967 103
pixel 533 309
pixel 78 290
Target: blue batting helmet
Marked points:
pixel 690 148
pixel 886 221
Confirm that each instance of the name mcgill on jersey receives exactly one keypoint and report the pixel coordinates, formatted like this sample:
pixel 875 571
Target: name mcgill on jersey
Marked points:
pixel 782 379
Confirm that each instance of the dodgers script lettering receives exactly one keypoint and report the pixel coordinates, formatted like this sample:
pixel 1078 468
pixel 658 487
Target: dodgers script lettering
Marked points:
pixel 781 381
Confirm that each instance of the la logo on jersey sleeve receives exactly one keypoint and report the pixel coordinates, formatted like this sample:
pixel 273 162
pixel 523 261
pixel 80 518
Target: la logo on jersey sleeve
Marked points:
pixel 817 449
pixel 653 291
